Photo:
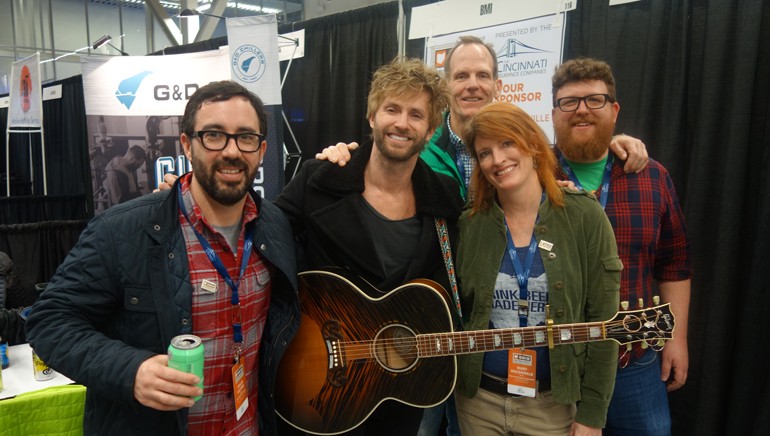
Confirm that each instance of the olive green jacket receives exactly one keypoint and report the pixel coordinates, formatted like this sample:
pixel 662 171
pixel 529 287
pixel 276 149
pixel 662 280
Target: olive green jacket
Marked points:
pixel 583 271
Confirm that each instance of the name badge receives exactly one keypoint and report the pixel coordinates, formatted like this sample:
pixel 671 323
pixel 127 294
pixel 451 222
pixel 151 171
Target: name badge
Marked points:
pixel 522 374
pixel 240 393
pixel 209 286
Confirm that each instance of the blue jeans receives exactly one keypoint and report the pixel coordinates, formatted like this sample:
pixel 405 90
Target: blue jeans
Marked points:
pixel 431 419
pixel 639 404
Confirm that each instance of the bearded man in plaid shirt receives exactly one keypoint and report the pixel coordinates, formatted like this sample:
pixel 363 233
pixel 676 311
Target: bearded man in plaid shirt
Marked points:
pixel 650 231
pixel 207 257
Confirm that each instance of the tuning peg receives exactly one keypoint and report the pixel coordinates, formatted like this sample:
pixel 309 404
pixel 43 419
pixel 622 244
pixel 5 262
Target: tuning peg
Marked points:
pixel 644 345
pixel 641 303
pixel 657 345
pixel 624 305
pixel 656 299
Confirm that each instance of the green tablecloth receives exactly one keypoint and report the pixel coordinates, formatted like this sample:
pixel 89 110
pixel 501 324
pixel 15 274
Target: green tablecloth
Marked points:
pixel 57 410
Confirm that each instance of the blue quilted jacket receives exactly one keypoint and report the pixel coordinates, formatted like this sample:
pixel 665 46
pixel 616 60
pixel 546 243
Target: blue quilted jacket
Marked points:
pixel 123 292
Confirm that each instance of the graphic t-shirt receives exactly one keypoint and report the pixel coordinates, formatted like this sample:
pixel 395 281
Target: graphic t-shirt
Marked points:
pixel 505 312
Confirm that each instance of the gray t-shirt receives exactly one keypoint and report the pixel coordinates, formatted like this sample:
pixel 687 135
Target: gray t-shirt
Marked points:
pixel 395 241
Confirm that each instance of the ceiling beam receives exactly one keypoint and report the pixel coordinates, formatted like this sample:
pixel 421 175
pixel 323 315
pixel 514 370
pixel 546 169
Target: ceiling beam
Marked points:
pixel 168 25
pixel 210 23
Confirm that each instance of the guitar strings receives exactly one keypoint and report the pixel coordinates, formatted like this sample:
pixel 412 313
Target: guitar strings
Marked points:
pixel 411 347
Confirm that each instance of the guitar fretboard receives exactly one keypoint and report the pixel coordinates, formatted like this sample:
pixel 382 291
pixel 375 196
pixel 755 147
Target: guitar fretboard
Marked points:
pixel 478 341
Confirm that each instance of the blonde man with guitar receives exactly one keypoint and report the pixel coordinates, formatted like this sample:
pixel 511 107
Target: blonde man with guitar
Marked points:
pixel 376 218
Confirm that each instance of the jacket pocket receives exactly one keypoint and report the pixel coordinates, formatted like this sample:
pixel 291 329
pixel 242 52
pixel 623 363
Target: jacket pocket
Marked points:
pixel 138 299
pixel 611 274
pixel 139 324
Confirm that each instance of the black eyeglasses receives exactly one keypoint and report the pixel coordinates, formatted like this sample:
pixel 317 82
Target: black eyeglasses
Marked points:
pixel 214 140
pixel 593 101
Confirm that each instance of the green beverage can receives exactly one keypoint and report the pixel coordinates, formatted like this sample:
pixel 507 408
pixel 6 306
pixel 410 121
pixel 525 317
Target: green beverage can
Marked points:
pixel 186 354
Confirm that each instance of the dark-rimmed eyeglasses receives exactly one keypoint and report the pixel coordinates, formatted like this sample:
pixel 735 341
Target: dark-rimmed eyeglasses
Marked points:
pixel 214 140
pixel 593 101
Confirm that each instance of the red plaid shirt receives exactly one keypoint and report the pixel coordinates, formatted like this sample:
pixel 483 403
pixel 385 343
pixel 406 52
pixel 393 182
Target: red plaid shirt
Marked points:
pixel 214 414
pixel 649 229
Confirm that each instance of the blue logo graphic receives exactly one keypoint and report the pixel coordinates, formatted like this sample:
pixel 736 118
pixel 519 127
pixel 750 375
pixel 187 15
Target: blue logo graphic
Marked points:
pixel 126 92
pixel 249 63
pixel 514 47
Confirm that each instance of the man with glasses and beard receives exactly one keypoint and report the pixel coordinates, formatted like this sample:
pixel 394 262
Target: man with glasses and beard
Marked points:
pixel 209 258
pixel 375 216
pixel 650 231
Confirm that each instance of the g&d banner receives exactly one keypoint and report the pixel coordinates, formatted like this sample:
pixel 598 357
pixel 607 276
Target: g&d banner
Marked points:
pixel 134 106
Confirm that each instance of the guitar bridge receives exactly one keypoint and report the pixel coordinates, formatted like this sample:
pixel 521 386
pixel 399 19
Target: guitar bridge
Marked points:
pixel 336 374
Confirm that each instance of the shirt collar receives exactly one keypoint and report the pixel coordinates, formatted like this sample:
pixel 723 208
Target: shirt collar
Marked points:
pixel 454 139
pixel 197 220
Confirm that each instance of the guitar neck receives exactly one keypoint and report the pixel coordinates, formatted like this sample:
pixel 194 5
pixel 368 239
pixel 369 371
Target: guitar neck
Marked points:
pixel 479 341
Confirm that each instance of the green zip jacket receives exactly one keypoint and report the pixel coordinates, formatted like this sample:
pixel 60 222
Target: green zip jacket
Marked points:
pixel 440 156
pixel 583 271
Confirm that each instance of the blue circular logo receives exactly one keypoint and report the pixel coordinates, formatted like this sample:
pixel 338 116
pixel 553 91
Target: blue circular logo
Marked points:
pixel 249 63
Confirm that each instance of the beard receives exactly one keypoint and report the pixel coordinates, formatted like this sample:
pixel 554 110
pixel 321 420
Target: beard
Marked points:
pixel 393 154
pixel 585 149
pixel 225 193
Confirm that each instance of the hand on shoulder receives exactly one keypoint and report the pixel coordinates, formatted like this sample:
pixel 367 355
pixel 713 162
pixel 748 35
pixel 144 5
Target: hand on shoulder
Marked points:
pixel 339 153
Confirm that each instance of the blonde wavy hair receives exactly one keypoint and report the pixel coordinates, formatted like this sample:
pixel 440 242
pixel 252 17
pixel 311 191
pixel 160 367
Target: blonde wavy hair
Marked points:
pixel 409 76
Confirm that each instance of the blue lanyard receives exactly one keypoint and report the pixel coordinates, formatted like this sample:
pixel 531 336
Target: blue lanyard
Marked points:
pixel 605 186
pixel 522 273
pixel 216 262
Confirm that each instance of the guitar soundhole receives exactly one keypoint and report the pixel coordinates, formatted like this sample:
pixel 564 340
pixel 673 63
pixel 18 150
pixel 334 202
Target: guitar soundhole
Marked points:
pixel 395 348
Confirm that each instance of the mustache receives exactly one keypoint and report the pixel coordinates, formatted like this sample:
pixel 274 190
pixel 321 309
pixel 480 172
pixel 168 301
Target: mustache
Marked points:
pixel 230 163
pixel 583 119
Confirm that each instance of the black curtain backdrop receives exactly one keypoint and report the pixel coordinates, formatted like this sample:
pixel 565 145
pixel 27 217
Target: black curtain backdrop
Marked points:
pixel 324 97
pixel 692 83
pixel 67 166
pixel 64 127
pixel 53 222
pixel 37 249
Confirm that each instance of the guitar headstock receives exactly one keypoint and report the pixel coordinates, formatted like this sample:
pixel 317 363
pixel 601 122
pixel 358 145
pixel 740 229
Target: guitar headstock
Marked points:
pixel 652 325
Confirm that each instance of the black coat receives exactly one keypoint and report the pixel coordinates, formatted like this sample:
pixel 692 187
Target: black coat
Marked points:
pixel 123 292
pixel 323 205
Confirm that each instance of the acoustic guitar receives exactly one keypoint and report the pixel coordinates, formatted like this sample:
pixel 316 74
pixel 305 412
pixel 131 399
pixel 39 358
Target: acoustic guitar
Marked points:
pixel 357 347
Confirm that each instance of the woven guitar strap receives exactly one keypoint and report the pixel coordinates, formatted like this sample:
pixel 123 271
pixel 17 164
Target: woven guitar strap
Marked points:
pixel 446 250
